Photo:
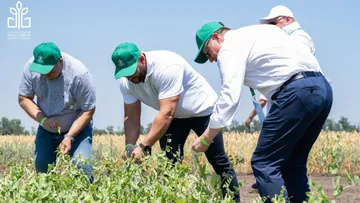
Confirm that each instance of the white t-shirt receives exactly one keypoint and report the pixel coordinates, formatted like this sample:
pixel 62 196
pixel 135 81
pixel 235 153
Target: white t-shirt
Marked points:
pixel 262 57
pixel 169 75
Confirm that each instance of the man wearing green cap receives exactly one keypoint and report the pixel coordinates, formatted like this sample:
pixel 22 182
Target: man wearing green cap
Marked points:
pixel 164 81
pixel 265 58
pixel 65 104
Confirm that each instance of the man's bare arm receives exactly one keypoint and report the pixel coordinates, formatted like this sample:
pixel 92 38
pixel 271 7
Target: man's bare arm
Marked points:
pixel 162 120
pixel 27 103
pixel 81 121
pixel 132 122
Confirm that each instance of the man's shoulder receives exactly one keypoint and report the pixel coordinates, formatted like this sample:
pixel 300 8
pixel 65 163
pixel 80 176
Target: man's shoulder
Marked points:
pixel 255 28
pixel 295 29
pixel 164 56
pixel 301 32
pixel 302 36
pixel 161 60
pixel 251 33
pixel 75 65
pixel 124 83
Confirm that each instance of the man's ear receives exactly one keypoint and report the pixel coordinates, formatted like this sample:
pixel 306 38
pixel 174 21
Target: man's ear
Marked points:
pixel 142 58
pixel 289 19
pixel 216 36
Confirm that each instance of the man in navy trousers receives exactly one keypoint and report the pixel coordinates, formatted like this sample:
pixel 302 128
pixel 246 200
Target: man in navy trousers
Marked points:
pixel 265 58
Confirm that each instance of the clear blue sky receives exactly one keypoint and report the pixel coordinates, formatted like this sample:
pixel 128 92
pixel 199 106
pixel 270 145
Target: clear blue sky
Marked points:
pixel 90 30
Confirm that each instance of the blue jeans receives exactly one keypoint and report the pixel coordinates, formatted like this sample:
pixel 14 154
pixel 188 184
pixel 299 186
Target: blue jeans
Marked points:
pixel 289 131
pixel 46 144
pixel 178 132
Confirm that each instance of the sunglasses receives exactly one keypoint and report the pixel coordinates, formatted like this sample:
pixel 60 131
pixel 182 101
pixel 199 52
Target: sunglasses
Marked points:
pixel 277 20
pixel 205 48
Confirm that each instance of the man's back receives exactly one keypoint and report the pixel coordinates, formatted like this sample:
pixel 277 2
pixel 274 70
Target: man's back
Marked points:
pixel 270 54
pixel 299 35
pixel 168 74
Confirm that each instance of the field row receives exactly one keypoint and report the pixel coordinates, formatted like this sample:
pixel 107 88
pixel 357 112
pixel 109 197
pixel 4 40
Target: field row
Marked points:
pixel 239 146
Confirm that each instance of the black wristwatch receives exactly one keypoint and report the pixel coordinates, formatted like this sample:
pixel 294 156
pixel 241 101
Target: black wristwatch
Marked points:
pixel 146 149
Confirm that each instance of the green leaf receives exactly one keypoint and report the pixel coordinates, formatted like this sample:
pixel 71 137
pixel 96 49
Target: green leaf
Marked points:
pixel 356 180
pixel 338 187
pixel 349 178
pixel 333 169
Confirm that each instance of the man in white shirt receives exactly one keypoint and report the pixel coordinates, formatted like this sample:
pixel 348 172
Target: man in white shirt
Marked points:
pixel 164 81
pixel 266 59
pixel 283 17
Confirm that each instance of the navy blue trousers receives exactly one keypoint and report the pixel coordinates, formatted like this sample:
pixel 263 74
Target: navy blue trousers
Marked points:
pixel 178 132
pixel 289 131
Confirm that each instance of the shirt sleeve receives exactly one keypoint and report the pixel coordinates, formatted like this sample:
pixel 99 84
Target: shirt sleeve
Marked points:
pixel 26 87
pixel 85 95
pixel 232 65
pixel 170 81
pixel 127 96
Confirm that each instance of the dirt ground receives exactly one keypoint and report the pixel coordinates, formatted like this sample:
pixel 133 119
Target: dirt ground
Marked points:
pixel 349 195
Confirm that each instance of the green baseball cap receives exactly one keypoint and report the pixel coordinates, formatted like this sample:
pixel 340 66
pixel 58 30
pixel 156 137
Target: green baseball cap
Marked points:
pixel 46 55
pixel 125 58
pixel 203 34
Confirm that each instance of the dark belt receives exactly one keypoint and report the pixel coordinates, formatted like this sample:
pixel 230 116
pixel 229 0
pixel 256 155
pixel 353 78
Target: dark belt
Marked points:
pixel 304 74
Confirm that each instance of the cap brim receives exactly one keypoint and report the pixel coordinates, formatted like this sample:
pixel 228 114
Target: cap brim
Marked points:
pixel 200 56
pixel 124 72
pixel 39 68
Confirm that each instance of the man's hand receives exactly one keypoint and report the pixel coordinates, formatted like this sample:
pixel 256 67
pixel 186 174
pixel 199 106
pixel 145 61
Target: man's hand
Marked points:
pixel 198 146
pixel 248 122
pixel 65 145
pixel 137 153
pixel 51 123
pixel 129 148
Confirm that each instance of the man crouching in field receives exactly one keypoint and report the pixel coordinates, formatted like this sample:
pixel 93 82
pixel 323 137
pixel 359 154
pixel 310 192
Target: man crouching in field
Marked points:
pixel 64 108
pixel 164 81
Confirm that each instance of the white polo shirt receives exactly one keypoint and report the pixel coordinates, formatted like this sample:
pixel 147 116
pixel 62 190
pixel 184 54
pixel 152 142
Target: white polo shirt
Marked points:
pixel 298 34
pixel 169 75
pixel 262 57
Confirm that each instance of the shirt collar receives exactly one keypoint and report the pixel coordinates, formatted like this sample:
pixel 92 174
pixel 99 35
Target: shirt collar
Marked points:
pixel 291 27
